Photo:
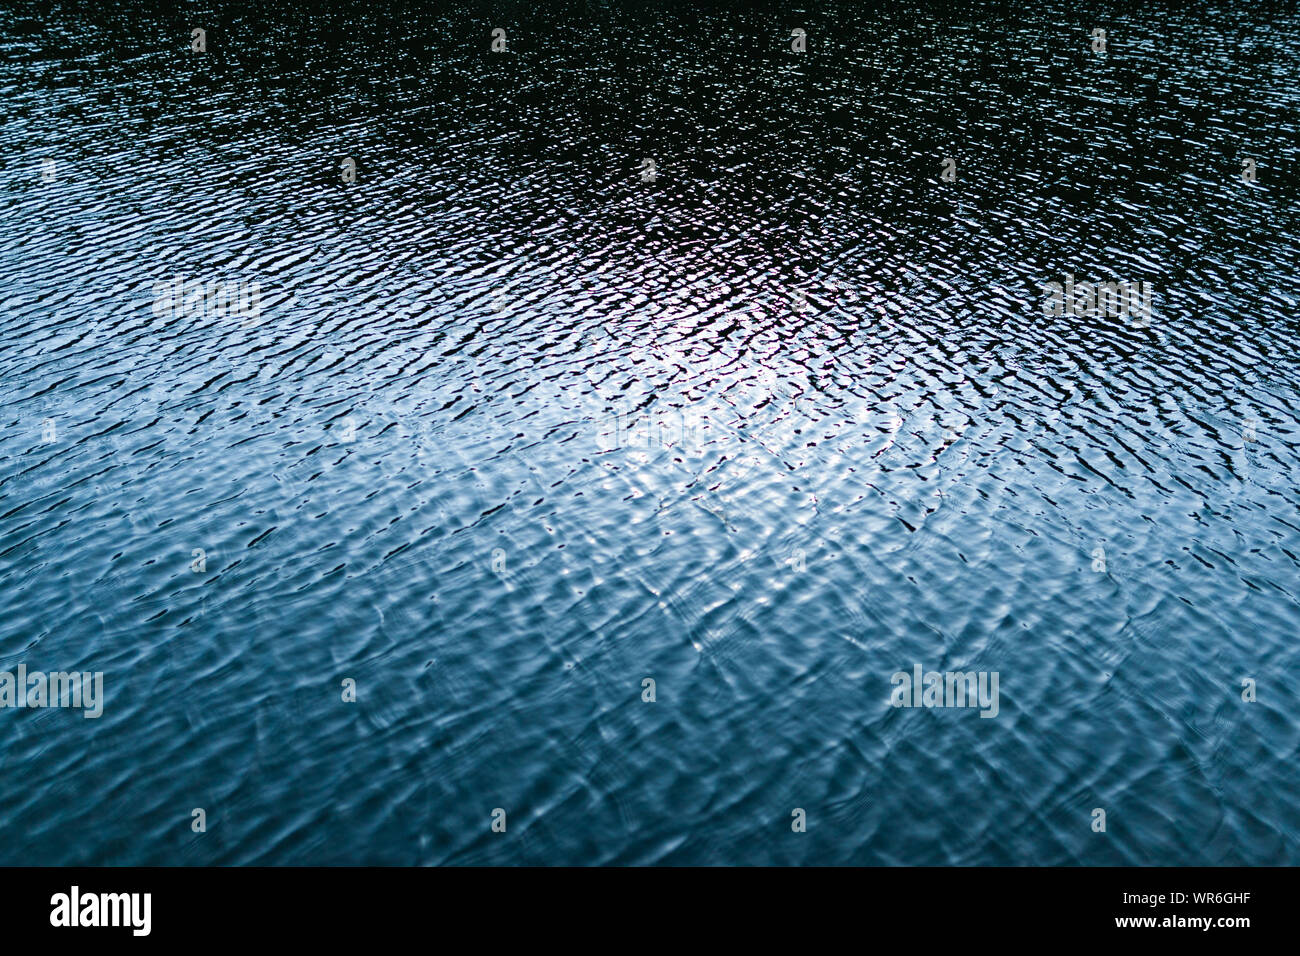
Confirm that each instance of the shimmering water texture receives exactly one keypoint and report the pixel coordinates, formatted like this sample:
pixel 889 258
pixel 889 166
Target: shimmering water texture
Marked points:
pixel 515 421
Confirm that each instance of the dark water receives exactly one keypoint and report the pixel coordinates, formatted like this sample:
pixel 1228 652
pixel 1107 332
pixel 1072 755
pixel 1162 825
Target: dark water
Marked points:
pixel 518 426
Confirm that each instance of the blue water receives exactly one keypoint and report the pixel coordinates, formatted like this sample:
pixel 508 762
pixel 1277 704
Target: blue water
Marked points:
pixel 518 425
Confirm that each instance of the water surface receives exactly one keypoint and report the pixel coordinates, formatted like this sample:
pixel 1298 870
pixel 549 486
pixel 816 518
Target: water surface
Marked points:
pixel 519 426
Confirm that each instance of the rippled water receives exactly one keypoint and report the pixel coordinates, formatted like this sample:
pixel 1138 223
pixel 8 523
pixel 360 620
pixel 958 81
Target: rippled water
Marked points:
pixel 522 423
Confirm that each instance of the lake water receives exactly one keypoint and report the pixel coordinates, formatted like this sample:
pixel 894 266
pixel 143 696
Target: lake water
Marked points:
pixel 649 348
